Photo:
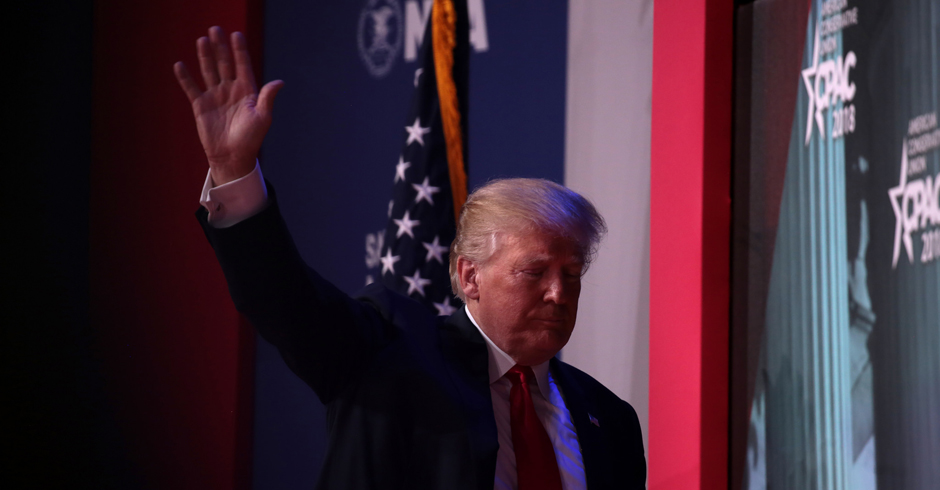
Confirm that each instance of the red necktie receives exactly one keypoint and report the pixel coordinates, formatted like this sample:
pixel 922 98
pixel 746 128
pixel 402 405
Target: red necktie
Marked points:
pixel 536 466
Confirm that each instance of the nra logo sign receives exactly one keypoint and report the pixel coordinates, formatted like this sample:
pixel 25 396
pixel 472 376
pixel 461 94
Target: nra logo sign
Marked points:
pixel 385 28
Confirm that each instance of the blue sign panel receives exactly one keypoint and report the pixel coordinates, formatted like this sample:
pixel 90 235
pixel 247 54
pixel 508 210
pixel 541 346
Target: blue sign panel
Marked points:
pixel 351 69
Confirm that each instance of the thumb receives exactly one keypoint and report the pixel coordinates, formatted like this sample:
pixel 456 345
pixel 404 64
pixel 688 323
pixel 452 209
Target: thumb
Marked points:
pixel 266 96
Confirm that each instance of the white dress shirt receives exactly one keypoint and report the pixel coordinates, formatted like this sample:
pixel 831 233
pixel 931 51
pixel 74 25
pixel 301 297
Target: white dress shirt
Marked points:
pixel 549 406
pixel 235 201
pixel 241 199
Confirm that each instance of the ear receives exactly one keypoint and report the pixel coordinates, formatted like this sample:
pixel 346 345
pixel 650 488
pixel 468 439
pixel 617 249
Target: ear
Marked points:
pixel 468 274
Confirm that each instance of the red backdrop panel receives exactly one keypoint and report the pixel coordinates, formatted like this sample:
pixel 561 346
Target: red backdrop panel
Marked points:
pixel 175 355
pixel 690 244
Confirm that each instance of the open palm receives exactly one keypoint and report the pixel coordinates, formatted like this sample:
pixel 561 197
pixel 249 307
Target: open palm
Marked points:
pixel 232 117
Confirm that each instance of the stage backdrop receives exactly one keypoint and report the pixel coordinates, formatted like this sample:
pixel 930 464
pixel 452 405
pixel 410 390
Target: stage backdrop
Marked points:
pixel 837 251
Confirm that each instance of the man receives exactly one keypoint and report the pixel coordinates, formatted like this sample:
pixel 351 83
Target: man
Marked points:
pixel 476 400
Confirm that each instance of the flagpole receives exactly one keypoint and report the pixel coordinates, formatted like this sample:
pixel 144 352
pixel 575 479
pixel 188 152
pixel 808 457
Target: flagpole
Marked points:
pixel 444 33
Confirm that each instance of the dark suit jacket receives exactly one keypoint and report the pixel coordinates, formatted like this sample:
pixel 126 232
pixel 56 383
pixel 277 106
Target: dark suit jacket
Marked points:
pixel 407 392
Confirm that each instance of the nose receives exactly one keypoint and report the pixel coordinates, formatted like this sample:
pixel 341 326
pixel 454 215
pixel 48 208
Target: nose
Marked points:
pixel 555 290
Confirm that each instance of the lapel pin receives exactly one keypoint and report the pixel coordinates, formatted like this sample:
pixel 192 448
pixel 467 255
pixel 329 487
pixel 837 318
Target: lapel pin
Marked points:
pixel 594 420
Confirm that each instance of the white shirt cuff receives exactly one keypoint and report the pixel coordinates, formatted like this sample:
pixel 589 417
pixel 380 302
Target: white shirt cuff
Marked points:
pixel 235 201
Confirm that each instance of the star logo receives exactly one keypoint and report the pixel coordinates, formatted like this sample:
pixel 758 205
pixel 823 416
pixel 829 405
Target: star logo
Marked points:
pixel 896 194
pixel 425 192
pixel 416 283
pixel 435 250
pixel 405 225
pixel 416 132
pixel 400 169
pixel 444 308
pixel 388 262
pixel 827 83
pixel 809 75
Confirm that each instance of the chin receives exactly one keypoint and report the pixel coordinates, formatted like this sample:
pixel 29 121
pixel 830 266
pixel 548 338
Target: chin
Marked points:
pixel 547 348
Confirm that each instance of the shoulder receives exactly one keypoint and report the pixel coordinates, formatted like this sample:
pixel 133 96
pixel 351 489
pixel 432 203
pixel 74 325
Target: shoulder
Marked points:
pixel 594 392
pixel 584 380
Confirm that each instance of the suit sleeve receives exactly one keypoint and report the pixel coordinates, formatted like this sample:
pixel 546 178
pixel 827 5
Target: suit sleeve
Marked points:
pixel 324 336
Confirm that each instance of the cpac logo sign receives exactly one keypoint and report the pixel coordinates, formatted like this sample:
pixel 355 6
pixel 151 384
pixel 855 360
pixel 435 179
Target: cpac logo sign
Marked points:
pixel 827 82
pixel 916 202
pixel 383 29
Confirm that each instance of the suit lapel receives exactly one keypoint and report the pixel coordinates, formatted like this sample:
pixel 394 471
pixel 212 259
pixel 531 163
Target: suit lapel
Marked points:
pixel 584 412
pixel 465 354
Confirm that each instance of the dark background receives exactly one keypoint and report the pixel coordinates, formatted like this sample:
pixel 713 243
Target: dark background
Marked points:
pixel 121 353
pixel 57 426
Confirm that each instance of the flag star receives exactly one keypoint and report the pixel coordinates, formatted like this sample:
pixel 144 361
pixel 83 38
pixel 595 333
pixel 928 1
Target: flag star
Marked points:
pixel 418 75
pixel 444 308
pixel 435 250
pixel 416 283
pixel 416 132
pixel 388 262
pixel 391 204
pixel 405 225
pixel 400 169
pixel 425 192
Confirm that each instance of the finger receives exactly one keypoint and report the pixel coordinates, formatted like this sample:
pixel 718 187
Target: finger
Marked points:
pixel 210 74
pixel 266 97
pixel 186 82
pixel 223 56
pixel 242 59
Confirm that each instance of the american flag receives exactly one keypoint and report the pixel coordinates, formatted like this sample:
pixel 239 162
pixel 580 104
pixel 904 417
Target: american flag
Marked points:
pixel 431 168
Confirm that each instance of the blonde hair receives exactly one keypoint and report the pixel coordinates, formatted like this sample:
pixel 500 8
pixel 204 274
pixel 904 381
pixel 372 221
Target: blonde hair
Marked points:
pixel 513 205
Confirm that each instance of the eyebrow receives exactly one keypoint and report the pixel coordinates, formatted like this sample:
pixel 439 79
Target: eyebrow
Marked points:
pixel 539 259
pixel 536 259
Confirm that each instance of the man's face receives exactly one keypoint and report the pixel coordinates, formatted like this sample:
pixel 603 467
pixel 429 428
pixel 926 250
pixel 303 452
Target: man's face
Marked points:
pixel 525 297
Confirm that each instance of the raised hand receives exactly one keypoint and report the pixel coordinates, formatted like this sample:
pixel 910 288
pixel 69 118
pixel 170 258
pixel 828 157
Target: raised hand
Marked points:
pixel 232 117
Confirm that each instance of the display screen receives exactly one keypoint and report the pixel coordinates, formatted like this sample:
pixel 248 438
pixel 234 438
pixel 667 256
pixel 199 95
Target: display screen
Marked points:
pixel 836 290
